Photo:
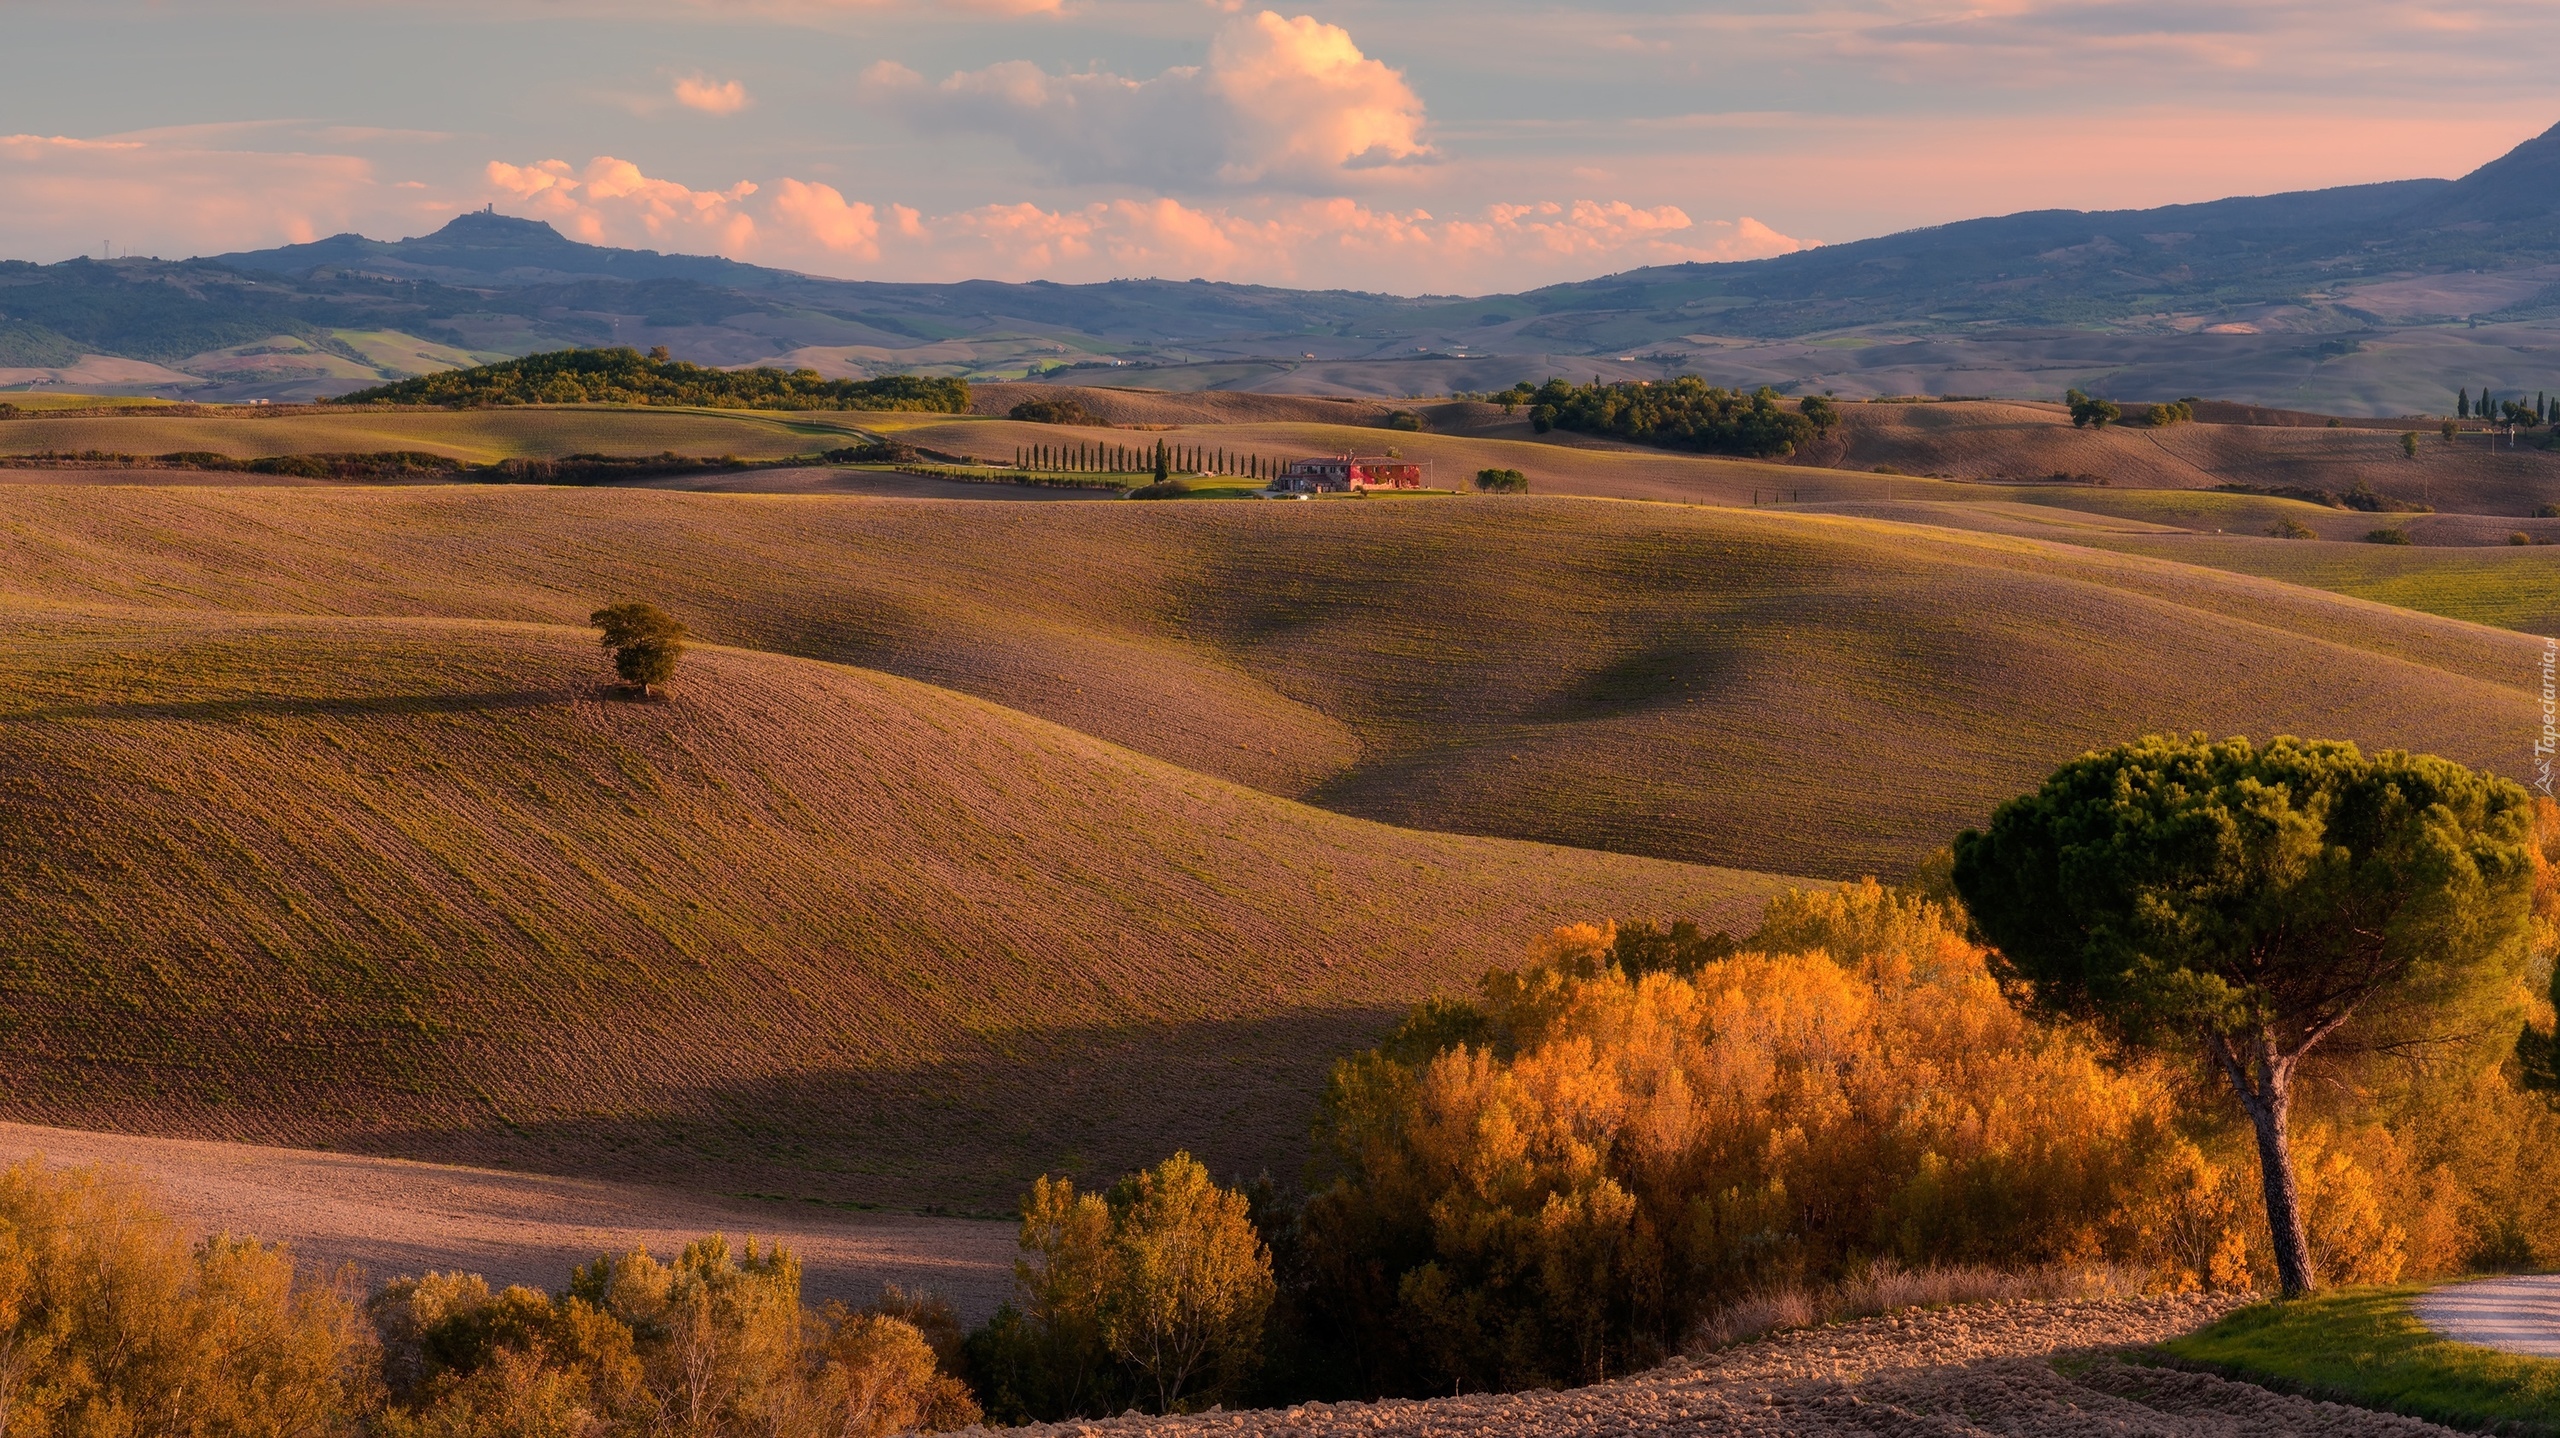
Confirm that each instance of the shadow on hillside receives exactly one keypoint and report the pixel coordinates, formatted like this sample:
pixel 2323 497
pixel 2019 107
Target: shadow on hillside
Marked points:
pixel 964 1132
pixel 255 707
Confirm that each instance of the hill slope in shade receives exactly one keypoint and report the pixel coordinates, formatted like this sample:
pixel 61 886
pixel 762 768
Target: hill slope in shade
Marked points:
pixel 2477 471
pixel 1791 693
pixel 426 888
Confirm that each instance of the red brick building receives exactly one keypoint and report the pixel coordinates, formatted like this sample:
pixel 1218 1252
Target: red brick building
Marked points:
pixel 1343 473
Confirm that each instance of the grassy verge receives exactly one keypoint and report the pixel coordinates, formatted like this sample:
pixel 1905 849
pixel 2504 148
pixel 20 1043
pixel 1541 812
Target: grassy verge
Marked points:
pixel 2367 1347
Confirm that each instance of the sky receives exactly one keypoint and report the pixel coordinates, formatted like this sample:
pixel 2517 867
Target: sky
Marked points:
pixel 1409 146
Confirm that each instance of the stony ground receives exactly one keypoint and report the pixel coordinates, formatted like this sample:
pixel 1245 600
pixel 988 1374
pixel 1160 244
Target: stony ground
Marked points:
pixel 1987 1369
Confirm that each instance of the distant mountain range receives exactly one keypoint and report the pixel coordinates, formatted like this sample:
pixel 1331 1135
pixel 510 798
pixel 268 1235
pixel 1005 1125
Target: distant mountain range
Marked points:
pixel 2365 299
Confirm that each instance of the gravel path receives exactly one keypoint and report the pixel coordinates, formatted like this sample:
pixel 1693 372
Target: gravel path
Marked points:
pixel 2519 1315
pixel 1986 1369
pixel 389 1217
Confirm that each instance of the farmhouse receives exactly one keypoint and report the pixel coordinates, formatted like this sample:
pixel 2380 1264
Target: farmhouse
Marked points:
pixel 1342 473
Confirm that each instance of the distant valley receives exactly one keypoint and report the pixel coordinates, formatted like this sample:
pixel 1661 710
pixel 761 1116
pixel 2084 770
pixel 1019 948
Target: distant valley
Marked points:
pixel 2372 300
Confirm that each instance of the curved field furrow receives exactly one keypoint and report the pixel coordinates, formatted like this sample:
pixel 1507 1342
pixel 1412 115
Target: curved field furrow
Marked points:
pixel 1793 693
pixel 430 888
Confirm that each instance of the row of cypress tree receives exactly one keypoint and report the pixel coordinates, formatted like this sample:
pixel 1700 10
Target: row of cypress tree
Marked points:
pixel 2540 411
pixel 1162 459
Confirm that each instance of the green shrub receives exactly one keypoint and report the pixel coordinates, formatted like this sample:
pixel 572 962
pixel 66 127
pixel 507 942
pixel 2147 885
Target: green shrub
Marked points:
pixel 1051 411
pixel 1502 481
pixel 2292 529
pixel 2087 412
pixel 2387 536
pixel 1404 419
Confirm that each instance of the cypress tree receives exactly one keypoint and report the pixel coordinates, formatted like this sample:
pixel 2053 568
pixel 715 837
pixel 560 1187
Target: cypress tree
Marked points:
pixel 2462 404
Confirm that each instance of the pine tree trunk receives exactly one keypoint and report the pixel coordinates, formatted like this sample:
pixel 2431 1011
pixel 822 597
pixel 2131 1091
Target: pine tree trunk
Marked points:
pixel 2264 1083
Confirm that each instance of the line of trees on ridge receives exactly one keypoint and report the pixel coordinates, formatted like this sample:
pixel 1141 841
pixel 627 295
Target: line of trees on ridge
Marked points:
pixel 623 375
pixel 1685 413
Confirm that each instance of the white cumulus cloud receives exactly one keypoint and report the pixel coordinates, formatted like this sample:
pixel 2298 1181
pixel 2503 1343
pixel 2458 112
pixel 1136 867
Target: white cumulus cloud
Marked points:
pixel 1281 102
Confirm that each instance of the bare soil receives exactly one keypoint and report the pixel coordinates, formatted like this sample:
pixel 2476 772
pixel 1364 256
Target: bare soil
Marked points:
pixel 1983 1369
pixel 390 1217
pixel 1147 406
pixel 869 483
pixel 2478 472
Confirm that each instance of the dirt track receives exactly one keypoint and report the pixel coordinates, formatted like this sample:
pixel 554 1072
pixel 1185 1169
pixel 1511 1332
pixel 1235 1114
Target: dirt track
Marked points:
pixel 390 1217
pixel 1977 1370
pixel 2519 1314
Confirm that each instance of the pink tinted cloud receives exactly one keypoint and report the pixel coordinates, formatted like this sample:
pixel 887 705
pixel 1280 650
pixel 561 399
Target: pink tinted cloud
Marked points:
pixel 611 202
pixel 1280 102
pixel 1863 176
pixel 1331 241
pixel 711 97
pixel 62 196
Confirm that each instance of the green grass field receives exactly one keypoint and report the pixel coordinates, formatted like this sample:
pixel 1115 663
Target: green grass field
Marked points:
pixel 2510 587
pixel 39 401
pixel 2366 1347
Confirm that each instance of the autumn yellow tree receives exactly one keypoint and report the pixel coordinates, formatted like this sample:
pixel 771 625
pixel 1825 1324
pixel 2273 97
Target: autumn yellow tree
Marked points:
pixel 1157 1290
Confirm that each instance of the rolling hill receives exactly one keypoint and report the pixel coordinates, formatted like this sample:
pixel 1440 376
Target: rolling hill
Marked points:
pixel 1784 692
pixel 427 887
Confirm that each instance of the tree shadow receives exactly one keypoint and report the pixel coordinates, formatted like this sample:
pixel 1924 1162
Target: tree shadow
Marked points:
pixel 282 707
pixel 963 1132
pixel 265 707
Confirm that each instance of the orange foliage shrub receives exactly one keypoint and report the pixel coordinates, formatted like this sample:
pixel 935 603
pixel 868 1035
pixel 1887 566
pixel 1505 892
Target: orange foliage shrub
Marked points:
pixel 1557 1181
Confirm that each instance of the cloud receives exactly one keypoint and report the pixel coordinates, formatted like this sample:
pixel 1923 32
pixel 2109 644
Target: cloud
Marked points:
pixel 820 213
pixel 61 196
pixel 1331 241
pixel 725 97
pixel 612 203
pixel 802 9
pixel 1281 102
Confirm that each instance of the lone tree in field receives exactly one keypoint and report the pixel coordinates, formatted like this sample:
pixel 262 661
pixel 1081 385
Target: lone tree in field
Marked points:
pixel 646 642
pixel 2257 905
pixel 2086 412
